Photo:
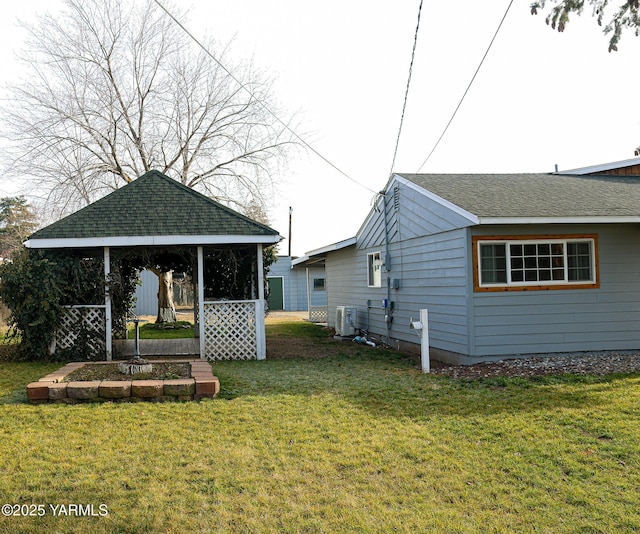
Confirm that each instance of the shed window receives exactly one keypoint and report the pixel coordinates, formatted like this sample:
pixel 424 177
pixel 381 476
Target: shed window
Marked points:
pixel 374 269
pixel 535 263
pixel 318 284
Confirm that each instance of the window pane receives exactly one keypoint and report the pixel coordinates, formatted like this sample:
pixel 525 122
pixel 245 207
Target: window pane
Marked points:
pixel 374 275
pixel 493 264
pixel 579 261
pixel 545 274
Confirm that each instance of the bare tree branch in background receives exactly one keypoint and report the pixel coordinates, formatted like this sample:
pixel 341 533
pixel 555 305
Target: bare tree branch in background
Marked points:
pixel 116 89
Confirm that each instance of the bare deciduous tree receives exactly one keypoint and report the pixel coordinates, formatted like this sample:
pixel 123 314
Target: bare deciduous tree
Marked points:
pixel 116 88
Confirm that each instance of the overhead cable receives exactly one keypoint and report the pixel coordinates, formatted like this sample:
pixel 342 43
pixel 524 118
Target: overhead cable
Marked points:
pixel 468 87
pixel 406 92
pixel 286 126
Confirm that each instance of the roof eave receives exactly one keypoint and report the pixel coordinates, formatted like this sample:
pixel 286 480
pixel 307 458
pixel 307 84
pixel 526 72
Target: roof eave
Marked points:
pixel 561 220
pixel 332 248
pixel 603 167
pixel 142 241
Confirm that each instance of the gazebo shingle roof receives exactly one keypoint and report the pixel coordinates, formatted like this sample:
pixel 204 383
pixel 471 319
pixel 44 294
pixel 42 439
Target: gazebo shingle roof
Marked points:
pixel 154 205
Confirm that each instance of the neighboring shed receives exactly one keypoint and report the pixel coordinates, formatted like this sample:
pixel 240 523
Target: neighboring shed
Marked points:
pixel 296 286
pixel 155 213
pixel 147 293
pixel 507 265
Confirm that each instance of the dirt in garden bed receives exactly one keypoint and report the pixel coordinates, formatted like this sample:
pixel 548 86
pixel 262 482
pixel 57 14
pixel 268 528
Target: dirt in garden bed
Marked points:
pixel 110 371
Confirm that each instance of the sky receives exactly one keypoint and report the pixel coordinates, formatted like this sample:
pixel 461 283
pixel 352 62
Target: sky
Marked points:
pixel 541 98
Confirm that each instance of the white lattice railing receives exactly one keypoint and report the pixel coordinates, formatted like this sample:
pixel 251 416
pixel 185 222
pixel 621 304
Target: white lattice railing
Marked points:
pixel 90 318
pixel 232 330
pixel 317 314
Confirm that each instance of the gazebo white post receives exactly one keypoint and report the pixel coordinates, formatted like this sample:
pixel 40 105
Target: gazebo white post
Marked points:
pixel 107 302
pixel 308 293
pixel 201 318
pixel 260 331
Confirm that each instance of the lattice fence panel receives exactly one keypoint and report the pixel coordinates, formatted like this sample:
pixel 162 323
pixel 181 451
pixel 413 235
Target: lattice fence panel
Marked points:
pixel 75 320
pixel 318 314
pixel 230 330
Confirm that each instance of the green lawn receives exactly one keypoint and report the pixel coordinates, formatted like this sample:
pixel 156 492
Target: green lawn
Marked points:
pixel 356 441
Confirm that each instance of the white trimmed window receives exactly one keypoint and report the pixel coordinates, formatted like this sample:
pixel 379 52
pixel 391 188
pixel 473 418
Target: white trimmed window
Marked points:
pixel 374 269
pixel 536 263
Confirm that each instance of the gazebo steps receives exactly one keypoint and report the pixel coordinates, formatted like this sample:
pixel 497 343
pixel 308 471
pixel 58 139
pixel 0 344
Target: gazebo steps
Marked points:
pixel 160 348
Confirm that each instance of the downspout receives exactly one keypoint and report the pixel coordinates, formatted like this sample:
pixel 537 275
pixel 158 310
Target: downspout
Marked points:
pixel 387 267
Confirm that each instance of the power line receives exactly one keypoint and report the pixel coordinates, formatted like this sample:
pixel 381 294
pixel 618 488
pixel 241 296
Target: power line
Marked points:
pixel 406 92
pixel 468 87
pixel 287 127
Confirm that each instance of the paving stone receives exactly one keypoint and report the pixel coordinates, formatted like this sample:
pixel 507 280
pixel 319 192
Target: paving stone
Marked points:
pixel 38 391
pixel 179 387
pixel 83 390
pixel 58 391
pixel 202 376
pixel 147 388
pixel 114 389
pixel 208 387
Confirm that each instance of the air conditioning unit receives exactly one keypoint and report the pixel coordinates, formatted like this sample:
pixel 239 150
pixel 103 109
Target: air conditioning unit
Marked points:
pixel 346 321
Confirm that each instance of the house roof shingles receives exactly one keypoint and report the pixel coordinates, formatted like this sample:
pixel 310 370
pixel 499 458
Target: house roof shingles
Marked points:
pixel 535 195
pixel 153 205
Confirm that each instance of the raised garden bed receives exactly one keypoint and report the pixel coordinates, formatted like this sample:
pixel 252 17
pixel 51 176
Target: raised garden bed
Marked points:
pixel 87 382
pixel 110 371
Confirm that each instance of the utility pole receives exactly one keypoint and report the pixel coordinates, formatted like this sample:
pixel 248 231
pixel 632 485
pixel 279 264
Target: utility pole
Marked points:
pixel 290 212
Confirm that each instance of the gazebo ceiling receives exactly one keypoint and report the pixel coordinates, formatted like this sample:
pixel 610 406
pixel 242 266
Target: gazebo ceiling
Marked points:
pixel 153 210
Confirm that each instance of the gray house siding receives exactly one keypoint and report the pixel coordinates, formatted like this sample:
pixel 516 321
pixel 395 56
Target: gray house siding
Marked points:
pixel 434 276
pixel 147 294
pixel 318 296
pixel 427 253
pixel 345 281
pixel 604 318
pixel 295 284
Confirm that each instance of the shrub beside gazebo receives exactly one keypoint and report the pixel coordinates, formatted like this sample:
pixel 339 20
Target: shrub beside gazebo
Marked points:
pixel 155 221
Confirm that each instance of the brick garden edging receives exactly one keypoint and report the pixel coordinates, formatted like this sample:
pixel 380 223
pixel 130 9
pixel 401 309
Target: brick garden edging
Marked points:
pixel 52 388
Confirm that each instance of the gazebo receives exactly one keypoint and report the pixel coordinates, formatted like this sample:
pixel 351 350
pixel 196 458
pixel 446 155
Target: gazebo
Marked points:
pixel 157 213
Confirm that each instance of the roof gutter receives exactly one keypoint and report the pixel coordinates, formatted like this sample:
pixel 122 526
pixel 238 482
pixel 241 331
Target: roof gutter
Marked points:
pixel 598 219
pixel 141 241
